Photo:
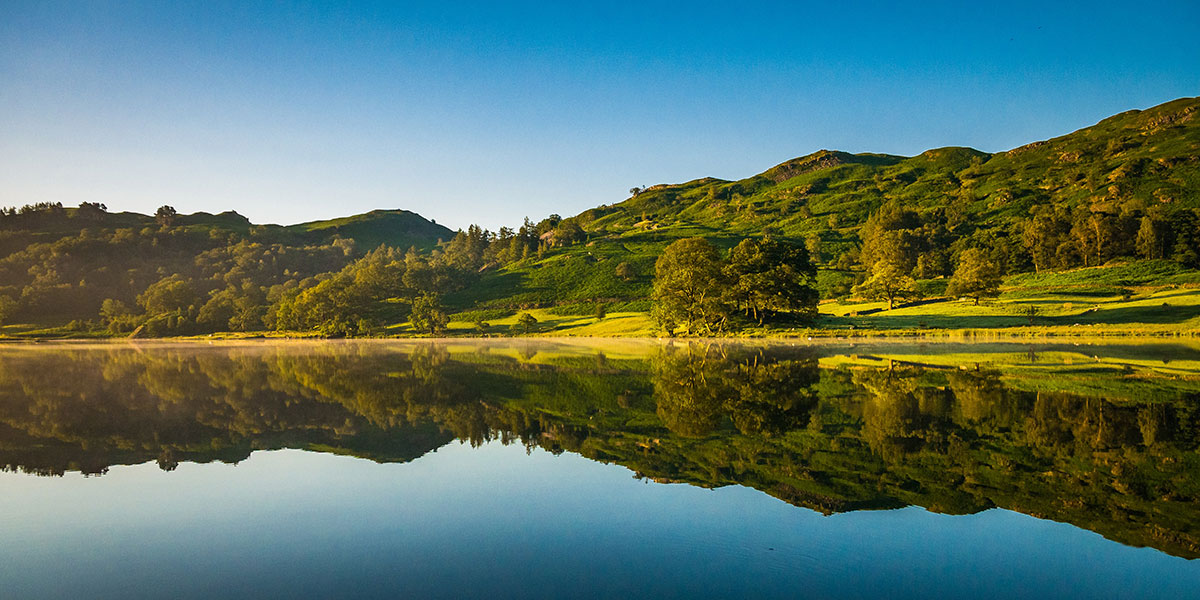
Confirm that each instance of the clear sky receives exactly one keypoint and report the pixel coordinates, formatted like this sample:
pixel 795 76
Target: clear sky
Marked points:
pixel 487 112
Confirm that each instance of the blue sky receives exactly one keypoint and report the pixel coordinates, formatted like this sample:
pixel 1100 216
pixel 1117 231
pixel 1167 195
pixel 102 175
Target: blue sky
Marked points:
pixel 487 112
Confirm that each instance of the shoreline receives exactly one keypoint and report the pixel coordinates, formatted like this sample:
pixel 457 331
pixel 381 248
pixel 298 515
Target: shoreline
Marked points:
pixel 1063 334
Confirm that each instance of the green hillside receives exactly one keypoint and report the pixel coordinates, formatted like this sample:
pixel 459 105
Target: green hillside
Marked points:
pixel 1100 227
pixel 1132 161
pixel 1131 166
pixel 62 265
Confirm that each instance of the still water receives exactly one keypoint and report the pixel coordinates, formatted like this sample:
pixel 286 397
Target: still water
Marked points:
pixel 617 469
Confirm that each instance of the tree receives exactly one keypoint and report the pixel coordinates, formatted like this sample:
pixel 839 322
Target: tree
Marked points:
pixel 889 280
pixel 169 294
pixel 91 211
pixel 975 276
pixel 769 275
pixel 1042 236
pixel 568 232
pixel 888 255
pixel 526 323
pixel 813 245
pixel 428 315
pixel 1185 237
pixel 601 311
pixel 1094 234
pixel 1151 238
pixel 418 275
pixel 1030 312
pixel 166 216
pixel 625 271
pixel 893 232
pixel 8 307
pixel 217 311
pixel 689 287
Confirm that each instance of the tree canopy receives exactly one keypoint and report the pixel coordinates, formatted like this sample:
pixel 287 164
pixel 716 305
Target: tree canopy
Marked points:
pixel 976 276
pixel 698 289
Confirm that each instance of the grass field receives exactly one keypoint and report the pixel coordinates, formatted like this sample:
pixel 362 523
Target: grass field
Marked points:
pixel 1117 300
pixel 1126 299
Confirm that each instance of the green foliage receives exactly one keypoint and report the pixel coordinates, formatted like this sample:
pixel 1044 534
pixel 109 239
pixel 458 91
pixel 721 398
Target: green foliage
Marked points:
pixel 338 304
pixel 427 314
pixel 526 323
pixel 8 307
pixel 689 286
pixel 625 271
pixel 976 276
pixel 1127 186
pixel 771 275
pixel 889 280
pixel 63 265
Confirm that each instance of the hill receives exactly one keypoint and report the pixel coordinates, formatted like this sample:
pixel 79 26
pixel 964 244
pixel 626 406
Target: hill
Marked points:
pixel 1132 166
pixel 61 264
pixel 396 228
pixel 1123 194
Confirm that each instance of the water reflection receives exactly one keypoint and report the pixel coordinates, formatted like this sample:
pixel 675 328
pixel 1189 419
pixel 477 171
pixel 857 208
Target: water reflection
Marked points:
pixel 1102 437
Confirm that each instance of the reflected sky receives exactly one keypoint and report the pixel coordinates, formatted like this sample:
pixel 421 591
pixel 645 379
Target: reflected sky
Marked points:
pixel 501 521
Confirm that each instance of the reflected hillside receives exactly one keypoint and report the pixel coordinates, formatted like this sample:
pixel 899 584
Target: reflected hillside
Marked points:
pixel 1103 437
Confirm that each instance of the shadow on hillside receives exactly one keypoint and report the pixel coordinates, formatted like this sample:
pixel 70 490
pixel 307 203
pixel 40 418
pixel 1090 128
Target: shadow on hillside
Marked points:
pixel 1160 314
pixel 503 285
pixel 1165 314
pixel 882 320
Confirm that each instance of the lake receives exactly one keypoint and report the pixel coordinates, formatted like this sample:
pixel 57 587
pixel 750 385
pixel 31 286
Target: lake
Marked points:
pixel 611 468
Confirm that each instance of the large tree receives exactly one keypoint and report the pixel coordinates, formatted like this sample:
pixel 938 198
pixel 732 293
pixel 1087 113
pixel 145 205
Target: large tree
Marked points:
pixel 770 275
pixel 689 287
pixel 889 280
pixel 890 275
pixel 976 276
pixel 428 315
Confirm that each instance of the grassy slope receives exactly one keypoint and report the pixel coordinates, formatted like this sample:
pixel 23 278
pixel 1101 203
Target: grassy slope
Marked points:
pixel 1153 297
pixel 1147 156
pixel 398 228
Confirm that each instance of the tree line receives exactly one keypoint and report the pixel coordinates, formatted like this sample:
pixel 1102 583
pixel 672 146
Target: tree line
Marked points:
pixel 900 246
pixel 166 279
